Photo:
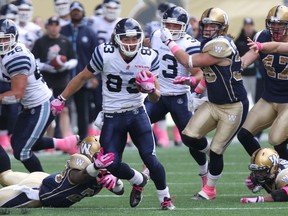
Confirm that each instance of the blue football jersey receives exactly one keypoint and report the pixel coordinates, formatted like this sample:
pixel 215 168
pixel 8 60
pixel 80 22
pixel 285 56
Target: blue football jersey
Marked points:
pixel 276 76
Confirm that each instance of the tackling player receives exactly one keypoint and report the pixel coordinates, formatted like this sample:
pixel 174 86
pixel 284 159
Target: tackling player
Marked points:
pixel 173 96
pixel 80 178
pixel 120 64
pixel 272 108
pixel 270 172
pixel 18 67
pixel 227 107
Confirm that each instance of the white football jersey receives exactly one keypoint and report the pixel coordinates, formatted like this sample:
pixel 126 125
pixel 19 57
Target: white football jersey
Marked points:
pixel 25 37
pixel 102 28
pixel 21 61
pixel 118 77
pixel 169 67
pixel 34 32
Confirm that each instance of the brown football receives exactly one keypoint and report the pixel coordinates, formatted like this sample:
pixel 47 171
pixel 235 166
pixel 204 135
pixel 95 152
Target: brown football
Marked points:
pixel 58 61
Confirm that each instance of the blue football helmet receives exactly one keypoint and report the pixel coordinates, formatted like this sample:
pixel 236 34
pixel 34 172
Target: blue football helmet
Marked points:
pixel 8 35
pixel 9 11
pixel 128 27
pixel 176 15
pixel 162 7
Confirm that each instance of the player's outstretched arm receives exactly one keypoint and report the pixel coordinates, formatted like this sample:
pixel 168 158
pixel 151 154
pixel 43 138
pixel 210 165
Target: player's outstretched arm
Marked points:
pixel 268 47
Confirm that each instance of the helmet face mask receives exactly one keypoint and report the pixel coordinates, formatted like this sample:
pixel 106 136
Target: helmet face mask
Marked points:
pixel 62 7
pixel 277 22
pixel 111 9
pixel 25 12
pixel 8 36
pixel 264 165
pixel 175 16
pixel 129 36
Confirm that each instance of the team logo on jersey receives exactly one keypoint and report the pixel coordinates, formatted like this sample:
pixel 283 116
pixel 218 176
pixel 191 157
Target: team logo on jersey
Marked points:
pixel 284 179
pixel 142 66
pixel 180 101
pixel 84 39
pixel 128 67
pixel 231 117
pixel 218 49
pixel 79 162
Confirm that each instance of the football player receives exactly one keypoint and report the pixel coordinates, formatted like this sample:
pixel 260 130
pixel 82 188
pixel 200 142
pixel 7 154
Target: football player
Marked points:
pixel 173 96
pixel 120 64
pixel 62 8
pixel 25 13
pixel 80 178
pixel 18 67
pixel 270 172
pixel 227 107
pixel 272 108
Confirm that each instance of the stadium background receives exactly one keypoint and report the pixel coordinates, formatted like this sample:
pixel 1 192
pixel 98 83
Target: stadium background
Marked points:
pixel 236 10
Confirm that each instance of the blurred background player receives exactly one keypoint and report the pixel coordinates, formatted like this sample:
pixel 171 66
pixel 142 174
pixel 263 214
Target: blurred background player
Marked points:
pixel 76 180
pixel 228 105
pixel 83 41
pixel 98 11
pixel 249 73
pixel 46 49
pixel 270 172
pixel 25 14
pixel 271 109
pixel 27 86
pixel 62 8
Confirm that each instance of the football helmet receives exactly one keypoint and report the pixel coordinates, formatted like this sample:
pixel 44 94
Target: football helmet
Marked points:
pixel 264 165
pixel 214 16
pixel 98 11
pixel 111 9
pixel 162 7
pixel 9 11
pixel 62 7
pixel 8 35
pixel 90 146
pixel 277 22
pixel 25 10
pixel 176 15
pixel 128 27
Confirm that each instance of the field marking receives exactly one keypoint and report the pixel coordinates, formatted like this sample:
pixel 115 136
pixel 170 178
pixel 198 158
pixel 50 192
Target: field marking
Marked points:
pixel 182 195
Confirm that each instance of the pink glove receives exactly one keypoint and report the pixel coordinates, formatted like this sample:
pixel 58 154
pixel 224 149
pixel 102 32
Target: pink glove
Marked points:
pixel 103 160
pixel 108 181
pixel 57 105
pixel 145 81
pixel 258 199
pixel 185 80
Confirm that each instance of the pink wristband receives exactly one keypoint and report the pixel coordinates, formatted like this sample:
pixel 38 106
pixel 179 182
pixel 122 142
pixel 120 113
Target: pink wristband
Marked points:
pixel 173 47
pixel 259 45
pixel 201 86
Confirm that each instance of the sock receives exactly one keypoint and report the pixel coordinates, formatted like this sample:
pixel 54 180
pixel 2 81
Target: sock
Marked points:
pixel 162 194
pixel 203 169
pixel 212 180
pixel 176 134
pixel 248 141
pixel 59 143
pixel 33 164
pixel 137 179
pixel 4 160
pixel 282 150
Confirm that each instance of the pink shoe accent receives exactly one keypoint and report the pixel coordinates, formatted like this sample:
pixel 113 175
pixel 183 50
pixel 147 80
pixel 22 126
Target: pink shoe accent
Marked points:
pixel 209 191
pixel 176 134
pixel 162 136
pixel 5 141
pixel 68 144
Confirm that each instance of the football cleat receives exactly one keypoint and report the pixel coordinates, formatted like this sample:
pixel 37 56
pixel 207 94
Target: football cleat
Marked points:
pixel 167 204
pixel 207 193
pixel 136 193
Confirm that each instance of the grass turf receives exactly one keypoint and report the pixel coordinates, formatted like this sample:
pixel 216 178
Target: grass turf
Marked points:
pixel 183 181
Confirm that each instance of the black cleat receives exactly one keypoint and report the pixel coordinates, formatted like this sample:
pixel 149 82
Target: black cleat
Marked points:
pixel 167 204
pixel 136 193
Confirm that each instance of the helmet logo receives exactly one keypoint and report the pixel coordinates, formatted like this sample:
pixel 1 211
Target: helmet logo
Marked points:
pixel 274 19
pixel 274 159
pixel 85 148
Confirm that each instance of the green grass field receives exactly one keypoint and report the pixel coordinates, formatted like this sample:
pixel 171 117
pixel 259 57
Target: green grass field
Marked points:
pixel 183 181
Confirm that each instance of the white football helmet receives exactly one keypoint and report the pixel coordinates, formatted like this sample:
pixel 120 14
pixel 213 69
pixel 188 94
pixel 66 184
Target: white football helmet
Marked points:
pixel 62 7
pixel 25 10
pixel 111 9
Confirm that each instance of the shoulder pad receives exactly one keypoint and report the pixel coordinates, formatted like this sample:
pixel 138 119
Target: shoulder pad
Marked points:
pixel 78 161
pixel 256 36
pixel 282 179
pixel 218 47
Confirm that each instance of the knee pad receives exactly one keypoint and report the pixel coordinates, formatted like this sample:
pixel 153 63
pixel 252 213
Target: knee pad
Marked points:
pixel 216 163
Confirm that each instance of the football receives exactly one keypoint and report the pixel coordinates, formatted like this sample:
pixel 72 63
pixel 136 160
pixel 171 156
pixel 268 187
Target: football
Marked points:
pixel 58 61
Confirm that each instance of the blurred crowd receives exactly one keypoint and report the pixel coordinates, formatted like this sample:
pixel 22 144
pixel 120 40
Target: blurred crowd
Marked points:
pixel 72 36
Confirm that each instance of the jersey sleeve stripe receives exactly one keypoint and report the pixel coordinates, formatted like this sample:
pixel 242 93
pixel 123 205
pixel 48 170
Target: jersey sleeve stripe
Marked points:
pixel 156 68
pixel 156 59
pixel 196 48
pixel 19 68
pixel 95 62
pixel 193 52
pixel 15 61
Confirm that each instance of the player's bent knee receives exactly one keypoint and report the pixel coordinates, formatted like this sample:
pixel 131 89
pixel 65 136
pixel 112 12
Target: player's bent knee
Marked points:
pixel 276 140
pixel 219 150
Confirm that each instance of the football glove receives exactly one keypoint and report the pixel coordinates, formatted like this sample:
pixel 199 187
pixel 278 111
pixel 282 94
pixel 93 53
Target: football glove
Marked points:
pixel 145 81
pixel 166 36
pixel 258 199
pixel 57 105
pixel 103 160
pixel 185 80
pixel 107 180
